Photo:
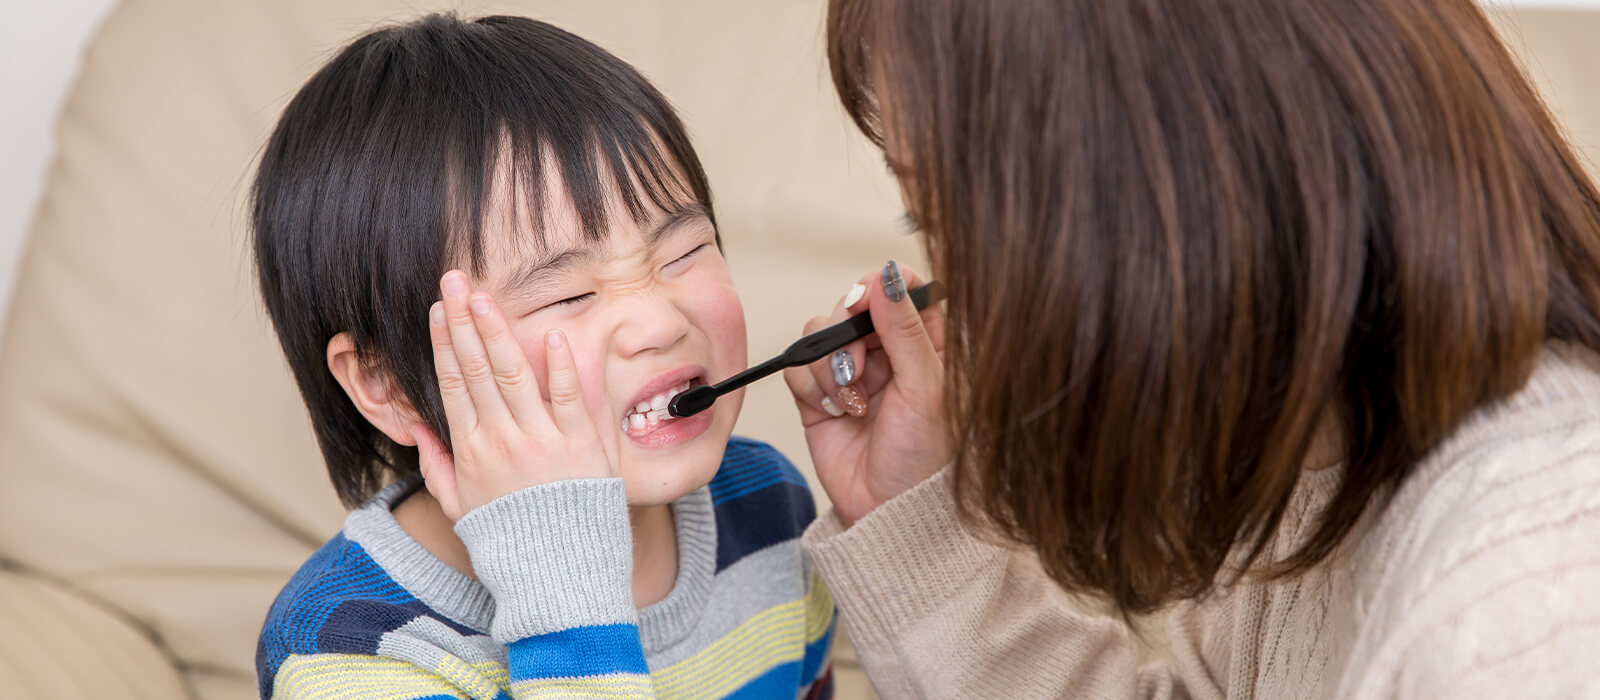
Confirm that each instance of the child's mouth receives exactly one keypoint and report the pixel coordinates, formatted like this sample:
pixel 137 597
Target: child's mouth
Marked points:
pixel 651 414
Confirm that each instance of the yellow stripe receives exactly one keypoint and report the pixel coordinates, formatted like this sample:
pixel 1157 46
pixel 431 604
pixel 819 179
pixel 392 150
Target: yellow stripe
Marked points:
pixel 773 637
pixel 354 675
pixel 616 686
pixel 764 623
pixel 819 609
pixel 748 669
pixel 480 680
pixel 495 671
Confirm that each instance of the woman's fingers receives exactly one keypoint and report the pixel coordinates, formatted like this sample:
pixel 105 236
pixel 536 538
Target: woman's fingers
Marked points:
pixel 513 374
pixel 838 373
pixel 566 390
pixel 857 372
pixel 473 360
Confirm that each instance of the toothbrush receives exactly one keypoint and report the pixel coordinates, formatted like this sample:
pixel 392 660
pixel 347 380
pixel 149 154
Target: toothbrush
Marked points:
pixel 804 351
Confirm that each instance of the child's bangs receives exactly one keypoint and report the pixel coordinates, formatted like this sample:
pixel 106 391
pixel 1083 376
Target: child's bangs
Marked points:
pixel 505 175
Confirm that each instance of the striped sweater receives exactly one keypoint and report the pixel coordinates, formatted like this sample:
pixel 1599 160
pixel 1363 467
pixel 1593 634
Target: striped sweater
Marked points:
pixel 373 614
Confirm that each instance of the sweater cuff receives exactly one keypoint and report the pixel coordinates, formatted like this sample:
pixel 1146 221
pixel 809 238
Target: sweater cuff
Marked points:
pixel 899 563
pixel 554 556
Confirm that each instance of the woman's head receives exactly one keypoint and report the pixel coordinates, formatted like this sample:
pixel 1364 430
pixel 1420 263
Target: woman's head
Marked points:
pixel 549 171
pixel 1180 238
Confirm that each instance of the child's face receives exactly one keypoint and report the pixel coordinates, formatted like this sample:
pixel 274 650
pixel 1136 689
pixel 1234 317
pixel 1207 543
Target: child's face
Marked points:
pixel 647 310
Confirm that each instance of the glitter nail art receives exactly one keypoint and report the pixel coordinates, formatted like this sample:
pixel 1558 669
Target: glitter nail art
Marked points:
pixel 852 400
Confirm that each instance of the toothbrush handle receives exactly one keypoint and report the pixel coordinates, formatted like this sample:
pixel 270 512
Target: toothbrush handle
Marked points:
pixel 804 351
pixel 822 343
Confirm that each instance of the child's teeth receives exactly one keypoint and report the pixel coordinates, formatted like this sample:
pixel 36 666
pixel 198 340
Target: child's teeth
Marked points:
pixel 650 413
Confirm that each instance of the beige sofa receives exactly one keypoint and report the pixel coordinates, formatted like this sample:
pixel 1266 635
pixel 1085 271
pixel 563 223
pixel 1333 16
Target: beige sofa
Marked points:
pixel 158 480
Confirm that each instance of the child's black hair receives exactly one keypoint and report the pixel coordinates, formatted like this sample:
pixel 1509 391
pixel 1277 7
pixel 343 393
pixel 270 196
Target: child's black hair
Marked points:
pixel 377 175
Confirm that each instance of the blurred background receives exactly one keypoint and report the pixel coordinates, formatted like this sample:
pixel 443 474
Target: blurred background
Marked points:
pixel 159 478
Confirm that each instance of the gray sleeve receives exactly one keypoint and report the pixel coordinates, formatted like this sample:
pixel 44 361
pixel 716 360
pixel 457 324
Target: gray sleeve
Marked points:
pixel 554 556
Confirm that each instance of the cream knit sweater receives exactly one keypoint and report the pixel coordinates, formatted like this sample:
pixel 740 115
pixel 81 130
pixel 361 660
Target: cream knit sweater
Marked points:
pixel 1479 578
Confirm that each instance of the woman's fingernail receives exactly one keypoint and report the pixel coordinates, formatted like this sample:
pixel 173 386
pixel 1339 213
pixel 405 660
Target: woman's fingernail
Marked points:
pixel 844 368
pixel 856 292
pixel 831 407
pixel 480 306
pixel 455 284
pixel 436 313
pixel 894 286
pixel 555 340
pixel 854 404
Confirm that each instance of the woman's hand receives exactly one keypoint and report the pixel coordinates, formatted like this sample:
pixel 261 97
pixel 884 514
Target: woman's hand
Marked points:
pixel 873 412
pixel 506 436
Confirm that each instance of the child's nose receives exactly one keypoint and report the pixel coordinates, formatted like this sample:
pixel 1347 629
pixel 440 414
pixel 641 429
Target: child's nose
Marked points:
pixel 650 321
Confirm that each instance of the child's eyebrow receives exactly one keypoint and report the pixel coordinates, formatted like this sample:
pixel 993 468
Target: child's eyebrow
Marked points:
pixel 682 215
pixel 527 278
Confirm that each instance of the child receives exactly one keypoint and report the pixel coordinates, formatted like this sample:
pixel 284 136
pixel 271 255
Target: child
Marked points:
pixel 570 545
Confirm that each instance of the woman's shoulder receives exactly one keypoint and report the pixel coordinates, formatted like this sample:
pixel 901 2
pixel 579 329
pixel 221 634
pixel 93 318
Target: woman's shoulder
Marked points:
pixel 1488 553
pixel 1526 453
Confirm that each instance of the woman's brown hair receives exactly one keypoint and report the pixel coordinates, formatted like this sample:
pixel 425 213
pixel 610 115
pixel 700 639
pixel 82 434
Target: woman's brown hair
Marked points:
pixel 1183 238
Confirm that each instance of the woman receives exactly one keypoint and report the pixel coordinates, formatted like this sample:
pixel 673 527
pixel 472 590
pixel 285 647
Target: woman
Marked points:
pixel 1275 318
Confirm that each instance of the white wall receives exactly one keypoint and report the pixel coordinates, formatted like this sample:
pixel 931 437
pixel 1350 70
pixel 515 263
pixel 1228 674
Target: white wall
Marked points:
pixel 40 45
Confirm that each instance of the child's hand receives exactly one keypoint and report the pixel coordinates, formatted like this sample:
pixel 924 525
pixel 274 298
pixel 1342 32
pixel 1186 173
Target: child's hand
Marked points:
pixel 874 417
pixel 506 436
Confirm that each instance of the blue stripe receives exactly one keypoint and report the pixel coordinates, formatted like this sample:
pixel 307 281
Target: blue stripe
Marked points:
pixel 749 466
pixel 728 476
pixel 578 652
pixel 755 482
pixel 816 655
pixel 339 572
pixel 730 473
pixel 753 488
pixel 743 454
pixel 780 682
pixel 734 463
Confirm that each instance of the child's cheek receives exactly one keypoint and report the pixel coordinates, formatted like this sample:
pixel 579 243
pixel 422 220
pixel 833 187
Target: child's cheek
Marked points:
pixel 722 317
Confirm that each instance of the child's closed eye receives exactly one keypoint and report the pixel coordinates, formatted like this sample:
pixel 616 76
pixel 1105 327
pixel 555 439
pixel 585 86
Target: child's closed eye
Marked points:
pixel 686 256
pixel 569 301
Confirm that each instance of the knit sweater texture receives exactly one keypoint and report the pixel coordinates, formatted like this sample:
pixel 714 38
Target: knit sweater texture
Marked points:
pixel 1478 577
pixel 551 614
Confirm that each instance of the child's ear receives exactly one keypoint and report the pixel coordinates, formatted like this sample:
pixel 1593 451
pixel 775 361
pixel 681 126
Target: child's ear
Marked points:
pixel 372 392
